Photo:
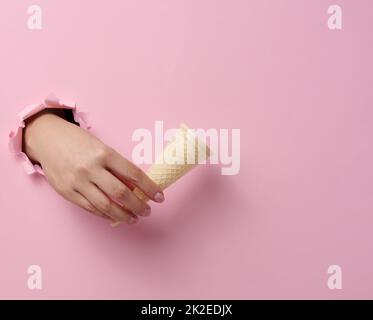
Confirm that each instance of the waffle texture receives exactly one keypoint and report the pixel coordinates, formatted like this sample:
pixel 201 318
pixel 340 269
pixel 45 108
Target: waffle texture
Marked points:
pixel 181 155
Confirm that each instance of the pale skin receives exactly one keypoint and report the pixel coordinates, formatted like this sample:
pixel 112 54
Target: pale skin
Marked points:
pixel 87 172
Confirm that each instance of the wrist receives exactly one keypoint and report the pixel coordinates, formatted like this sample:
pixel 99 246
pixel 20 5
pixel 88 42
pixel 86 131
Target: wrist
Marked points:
pixel 37 127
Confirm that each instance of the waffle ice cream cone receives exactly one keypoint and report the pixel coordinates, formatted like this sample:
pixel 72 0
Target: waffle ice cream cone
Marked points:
pixel 181 155
pixel 184 152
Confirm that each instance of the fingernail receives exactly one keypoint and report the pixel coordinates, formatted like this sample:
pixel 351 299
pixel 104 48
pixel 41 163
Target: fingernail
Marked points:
pixel 132 220
pixel 147 211
pixel 159 197
pixel 114 224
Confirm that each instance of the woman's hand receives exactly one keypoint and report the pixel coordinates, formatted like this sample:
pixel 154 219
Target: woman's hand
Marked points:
pixel 87 172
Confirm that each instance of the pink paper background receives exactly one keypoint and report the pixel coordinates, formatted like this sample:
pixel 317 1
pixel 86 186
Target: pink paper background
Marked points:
pixel 302 96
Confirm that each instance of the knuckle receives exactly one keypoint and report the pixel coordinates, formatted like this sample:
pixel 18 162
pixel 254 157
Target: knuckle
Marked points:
pixel 73 181
pixel 121 192
pixel 103 154
pixel 88 206
pixel 105 206
pixel 82 169
pixel 137 174
pixel 64 190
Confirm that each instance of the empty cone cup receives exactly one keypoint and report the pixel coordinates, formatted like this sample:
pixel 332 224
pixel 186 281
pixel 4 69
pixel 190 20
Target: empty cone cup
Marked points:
pixel 184 152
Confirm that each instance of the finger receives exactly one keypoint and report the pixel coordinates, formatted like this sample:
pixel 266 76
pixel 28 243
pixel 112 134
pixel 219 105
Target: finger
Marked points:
pixel 126 170
pixel 107 207
pixel 120 193
pixel 82 202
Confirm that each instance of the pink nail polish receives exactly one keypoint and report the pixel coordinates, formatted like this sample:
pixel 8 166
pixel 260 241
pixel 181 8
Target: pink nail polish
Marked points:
pixel 159 197
pixel 132 220
pixel 147 211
